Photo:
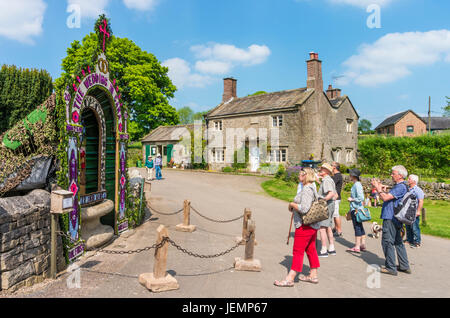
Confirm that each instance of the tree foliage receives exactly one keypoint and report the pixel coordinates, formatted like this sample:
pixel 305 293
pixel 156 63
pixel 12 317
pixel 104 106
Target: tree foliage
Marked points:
pixel 143 82
pixel 364 125
pixel 21 91
pixel 187 115
pixel 447 108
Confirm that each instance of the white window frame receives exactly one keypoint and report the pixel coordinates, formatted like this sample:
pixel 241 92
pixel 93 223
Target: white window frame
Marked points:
pixel 278 155
pixel 218 155
pixel 349 125
pixel 277 121
pixel 348 155
pixel 218 125
pixel 407 127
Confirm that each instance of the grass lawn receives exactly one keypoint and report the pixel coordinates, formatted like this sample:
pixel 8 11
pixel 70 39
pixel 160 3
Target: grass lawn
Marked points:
pixel 437 212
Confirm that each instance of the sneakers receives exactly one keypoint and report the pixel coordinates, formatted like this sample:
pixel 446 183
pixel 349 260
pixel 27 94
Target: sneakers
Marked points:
pixel 407 271
pixel 336 234
pixel 323 254
pixel 414 245
pixel 332 253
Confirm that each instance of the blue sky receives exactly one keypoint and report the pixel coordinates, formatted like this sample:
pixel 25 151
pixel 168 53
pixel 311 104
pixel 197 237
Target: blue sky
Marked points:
pixel 262 43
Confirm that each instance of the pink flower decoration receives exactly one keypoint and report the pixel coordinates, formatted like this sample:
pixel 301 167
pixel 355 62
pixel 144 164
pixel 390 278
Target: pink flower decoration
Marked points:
pixel 74 87
pixel 120 127
pixel 75 117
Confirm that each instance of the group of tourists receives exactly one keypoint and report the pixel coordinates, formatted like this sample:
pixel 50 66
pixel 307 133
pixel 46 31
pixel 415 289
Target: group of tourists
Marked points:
pixel 154 166
pixel 330 179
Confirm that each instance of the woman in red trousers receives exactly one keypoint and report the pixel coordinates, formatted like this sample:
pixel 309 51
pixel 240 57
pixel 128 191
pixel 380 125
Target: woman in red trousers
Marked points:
pixel 305 235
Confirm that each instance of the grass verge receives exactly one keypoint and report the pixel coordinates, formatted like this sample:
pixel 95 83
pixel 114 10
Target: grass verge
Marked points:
pixel 437 211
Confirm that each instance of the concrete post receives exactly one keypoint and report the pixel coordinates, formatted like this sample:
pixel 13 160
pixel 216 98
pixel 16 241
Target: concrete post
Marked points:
pixel 248 263
pixel 186 226
pixel 159 280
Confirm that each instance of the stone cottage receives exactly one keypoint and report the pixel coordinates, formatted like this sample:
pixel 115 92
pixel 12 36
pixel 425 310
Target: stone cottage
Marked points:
pixel 284 127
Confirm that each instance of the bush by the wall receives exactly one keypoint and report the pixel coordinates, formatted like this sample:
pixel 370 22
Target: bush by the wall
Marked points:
pixel 424 155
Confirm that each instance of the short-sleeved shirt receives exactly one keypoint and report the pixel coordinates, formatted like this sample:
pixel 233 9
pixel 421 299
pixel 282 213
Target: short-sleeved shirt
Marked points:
pixel 418 192
pixel 326 186
pixel 337 178
pixel 398 191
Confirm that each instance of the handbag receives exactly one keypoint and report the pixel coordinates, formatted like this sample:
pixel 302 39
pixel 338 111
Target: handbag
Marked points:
pixel 362 214
pixel 348 216
pixel 317 212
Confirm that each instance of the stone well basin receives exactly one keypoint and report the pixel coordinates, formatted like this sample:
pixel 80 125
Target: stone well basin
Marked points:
pixel 92 231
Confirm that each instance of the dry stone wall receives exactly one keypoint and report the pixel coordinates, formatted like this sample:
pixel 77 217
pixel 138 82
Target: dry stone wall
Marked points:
pixel 432 190
pixel 25 240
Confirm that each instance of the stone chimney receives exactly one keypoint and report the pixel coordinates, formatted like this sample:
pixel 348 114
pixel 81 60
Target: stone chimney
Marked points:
pixel 229 89
pixel 333 93
pixel 314 72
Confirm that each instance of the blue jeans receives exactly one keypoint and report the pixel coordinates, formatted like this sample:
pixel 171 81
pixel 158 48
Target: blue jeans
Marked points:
pixel 158 173
pixel 391 242
pixel 413 232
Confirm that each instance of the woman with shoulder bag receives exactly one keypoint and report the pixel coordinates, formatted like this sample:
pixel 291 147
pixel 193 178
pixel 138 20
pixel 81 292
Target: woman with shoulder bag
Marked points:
pixel 356 200
pixel 305 235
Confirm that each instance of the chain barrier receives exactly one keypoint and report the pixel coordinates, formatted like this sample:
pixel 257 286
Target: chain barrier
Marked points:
pixel 154 210
pixel 139 250
pixel 217 221
pixel 205 256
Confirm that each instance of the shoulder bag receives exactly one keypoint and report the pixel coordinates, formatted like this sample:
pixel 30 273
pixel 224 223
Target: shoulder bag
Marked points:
pixel 317 212
pixel 362 214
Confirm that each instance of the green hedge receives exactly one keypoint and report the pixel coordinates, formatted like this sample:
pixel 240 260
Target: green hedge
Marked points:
pixel 425 155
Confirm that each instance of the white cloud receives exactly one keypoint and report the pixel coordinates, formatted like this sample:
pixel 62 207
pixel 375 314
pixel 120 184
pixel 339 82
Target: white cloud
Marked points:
pixel 22 20
pixel 143 5
pixel 362 3
pixel 254 54
pixel 90 8
pixel 213 67
pixel 181 74
pixel 392 57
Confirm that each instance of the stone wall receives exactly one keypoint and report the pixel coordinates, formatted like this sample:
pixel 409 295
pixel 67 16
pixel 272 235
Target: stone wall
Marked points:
pixel 432 190
pixel 25 240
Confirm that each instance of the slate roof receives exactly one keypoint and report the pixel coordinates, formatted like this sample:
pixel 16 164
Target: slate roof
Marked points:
pixel 262 102
pixel 167 133
pixel 438 123
pixel 395 118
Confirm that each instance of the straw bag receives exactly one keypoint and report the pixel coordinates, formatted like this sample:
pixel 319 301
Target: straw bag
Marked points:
pixel 318 212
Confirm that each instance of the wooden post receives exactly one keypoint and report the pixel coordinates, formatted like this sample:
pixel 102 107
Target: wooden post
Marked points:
pixel 186 226
pixel 250 245
pixel 159 280
pixel 248 263
pixel 247 217
pixel 53 246
pixel 159 268
pixel 424 218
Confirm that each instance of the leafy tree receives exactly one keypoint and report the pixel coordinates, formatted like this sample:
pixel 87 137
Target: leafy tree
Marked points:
pixel 364 125
pixel 447 108
pixel 185 115
pixel 143 82
pixel 21 92
pixel 199 116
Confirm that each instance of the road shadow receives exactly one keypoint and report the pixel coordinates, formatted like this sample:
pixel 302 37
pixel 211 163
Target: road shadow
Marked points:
pixel 287 263
pixel 367 256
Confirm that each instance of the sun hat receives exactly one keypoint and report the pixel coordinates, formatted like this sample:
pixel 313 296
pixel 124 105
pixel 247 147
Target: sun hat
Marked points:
pixel 354 172
pixel 327 166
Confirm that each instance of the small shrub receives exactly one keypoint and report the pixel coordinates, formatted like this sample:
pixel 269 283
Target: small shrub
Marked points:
pixel 227 169
pixel 348 187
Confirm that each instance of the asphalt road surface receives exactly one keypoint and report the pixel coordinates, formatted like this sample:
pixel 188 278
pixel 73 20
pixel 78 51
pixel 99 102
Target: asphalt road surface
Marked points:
pixel 224 197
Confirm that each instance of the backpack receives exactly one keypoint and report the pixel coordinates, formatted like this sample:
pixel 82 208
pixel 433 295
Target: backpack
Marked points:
pixel 406 209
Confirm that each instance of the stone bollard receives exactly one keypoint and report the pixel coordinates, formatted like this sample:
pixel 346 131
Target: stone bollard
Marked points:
pixel 248 263
pixel 159 280
pixel 247 217
pixel 186 226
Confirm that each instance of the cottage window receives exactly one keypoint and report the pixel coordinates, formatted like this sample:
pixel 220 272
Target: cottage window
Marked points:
pixel 349 125
pixel 218 125
pixel 218 155
pixel 278 155
pixel 410 129
pixel 349 156
pixel 277 121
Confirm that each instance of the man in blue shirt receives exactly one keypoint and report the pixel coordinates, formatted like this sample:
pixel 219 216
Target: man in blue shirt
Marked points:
pixel 158 165
pixel 413 230
pixel 391 240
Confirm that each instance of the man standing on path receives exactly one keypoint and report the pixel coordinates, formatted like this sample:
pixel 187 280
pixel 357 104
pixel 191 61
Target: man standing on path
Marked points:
pixel 149 165
pixel 337 178
pixel 158 164
pixel 413 230
pixel 327 191
pixel 391 240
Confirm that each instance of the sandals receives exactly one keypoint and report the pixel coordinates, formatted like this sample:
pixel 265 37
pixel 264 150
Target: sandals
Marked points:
pixel 354 250
pixel 284 283
pixel 363 248
pixel 308 279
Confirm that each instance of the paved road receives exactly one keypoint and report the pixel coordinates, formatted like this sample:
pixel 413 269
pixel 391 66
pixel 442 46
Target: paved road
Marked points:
pixel 225 197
